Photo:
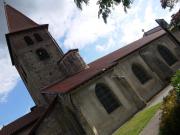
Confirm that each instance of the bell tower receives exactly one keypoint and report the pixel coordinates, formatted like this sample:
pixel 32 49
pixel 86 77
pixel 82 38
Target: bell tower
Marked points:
pixel 33 52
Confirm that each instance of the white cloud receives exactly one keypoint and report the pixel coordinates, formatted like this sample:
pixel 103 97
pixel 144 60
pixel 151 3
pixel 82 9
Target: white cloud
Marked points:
pixel 86 28
pixel 8 75
pixel 82 28
pixel 106 47
pixel 79 28
pixel 58 15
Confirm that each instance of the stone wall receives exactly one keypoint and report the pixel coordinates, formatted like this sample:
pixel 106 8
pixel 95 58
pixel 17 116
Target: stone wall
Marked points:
pixel 129 91
pixel 36 73
pixel 99 120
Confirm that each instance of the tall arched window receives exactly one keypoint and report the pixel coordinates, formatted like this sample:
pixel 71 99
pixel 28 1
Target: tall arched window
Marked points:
pixel 140 73
pixel 106 97
pixel 38 37
pixel 167 55
pixel 42 54
pixel 28 40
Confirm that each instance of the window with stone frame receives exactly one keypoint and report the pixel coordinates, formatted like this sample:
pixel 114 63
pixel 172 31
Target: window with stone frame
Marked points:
pixel 106 97
pixel 140 73
pixel 38 37
pixel 42 54
pixel 28 40
pixel 167 55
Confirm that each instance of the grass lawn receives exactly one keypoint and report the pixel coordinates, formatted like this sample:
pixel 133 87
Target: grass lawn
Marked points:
pixel 135 125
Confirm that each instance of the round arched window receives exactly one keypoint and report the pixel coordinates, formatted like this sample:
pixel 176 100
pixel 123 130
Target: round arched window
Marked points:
pixel 140 73
pixel 167 55
pixel 106 97
pixel 42 54
pixel 28 40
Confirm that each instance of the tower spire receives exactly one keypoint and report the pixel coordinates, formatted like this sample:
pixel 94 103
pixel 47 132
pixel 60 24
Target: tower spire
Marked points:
pixel 17 21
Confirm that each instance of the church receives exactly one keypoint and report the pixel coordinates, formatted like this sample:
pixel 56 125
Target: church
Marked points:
pixel 76 98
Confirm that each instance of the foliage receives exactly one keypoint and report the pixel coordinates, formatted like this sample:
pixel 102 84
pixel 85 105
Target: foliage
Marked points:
pixel 168 3
pixel 106 6
pixel 175 21
pixel 79 3
pixel 170 119
pixel 175 81
pixel 138 122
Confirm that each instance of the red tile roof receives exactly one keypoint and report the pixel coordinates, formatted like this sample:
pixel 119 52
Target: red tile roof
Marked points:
pixel 22 122
pixel 100 65
pixel 17 21
pixel 154 30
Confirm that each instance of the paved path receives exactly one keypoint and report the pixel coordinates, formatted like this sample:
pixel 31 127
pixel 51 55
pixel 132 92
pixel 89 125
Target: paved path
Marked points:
pixel 159 97
pixel 152 127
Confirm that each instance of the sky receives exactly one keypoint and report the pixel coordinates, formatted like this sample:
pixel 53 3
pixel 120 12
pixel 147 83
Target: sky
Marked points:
pixel 72 28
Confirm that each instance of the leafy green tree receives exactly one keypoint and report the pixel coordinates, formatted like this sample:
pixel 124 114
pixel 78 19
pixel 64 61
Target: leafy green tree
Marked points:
pixel 106 6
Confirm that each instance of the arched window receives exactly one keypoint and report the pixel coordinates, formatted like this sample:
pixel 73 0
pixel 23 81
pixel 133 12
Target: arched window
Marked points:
pixel 106 97
pixel 42 54
pixel 140 73
pixel 38 37
pixel 167 55
pixel 28 40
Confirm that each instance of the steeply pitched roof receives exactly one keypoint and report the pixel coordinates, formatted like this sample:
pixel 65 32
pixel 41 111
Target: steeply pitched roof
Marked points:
pixel 17 21
pixel 22 122
pixel 100 65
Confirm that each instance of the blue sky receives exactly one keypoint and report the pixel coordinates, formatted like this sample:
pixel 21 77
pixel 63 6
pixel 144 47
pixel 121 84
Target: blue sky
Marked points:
pixel 72 28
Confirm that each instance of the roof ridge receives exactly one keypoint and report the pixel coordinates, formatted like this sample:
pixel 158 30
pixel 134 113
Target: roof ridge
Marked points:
pixel 97 66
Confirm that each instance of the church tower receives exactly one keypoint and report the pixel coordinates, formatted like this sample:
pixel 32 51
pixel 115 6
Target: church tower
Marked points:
pixel 34 53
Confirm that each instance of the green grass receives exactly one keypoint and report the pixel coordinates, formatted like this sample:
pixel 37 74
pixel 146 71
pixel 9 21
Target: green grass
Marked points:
pixel 135 125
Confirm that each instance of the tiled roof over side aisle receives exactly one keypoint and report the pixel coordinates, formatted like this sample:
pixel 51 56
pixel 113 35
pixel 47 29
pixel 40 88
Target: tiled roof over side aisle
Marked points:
pixel 22 122
pixel 99 65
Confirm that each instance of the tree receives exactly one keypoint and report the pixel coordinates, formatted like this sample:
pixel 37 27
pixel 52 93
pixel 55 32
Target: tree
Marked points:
pixel 175 21
pixel 168 3
pixel 105 6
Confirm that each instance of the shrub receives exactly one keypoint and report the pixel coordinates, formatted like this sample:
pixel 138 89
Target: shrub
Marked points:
pixel 170 119
pixel 175 81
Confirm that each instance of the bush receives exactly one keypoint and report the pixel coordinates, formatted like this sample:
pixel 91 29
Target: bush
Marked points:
pixel 170 119
pixel 175 81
